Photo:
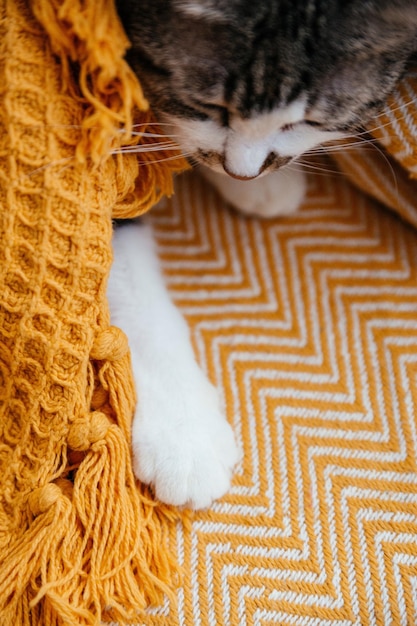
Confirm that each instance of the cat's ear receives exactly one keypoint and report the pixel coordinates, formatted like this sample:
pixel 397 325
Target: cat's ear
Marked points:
pixel 393 27
pixel 401 14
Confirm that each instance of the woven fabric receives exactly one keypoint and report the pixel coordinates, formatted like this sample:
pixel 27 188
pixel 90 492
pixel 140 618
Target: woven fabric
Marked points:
pixel 383 163
pixel 308 327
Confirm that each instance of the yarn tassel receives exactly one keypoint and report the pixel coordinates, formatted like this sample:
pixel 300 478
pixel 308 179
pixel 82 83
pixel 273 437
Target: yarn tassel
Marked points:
pixel 90 34
pixel 123 551
pixel 94 550
pixel 31 559
pixel 115 521
pixel 128 561
pixel 111 353
pixel 98 543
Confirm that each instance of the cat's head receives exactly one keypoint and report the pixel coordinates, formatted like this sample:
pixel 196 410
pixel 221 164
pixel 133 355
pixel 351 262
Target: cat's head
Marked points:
pixel 245 86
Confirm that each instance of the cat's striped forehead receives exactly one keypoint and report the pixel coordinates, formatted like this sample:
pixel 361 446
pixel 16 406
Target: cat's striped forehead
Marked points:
pixel 253 56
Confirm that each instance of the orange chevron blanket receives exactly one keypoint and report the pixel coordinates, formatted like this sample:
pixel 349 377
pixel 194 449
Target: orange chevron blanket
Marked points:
pixel 308 326
pixel 384 161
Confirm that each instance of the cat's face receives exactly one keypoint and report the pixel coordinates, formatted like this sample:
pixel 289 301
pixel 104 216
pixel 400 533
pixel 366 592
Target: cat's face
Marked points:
pixel 245 86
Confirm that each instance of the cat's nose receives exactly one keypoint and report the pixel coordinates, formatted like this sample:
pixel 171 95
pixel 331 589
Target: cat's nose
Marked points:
pixel 271 159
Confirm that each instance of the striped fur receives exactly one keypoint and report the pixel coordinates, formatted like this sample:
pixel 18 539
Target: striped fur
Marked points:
pixel 221 62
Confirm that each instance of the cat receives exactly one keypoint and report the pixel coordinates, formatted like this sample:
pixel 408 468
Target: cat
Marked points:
pixel 245 89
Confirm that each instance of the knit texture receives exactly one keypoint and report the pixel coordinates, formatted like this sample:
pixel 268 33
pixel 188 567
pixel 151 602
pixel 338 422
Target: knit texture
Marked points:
pixel 79 541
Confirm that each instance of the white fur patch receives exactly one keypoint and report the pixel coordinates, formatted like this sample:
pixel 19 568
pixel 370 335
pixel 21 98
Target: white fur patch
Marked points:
pixel 182 444
pixel 246 144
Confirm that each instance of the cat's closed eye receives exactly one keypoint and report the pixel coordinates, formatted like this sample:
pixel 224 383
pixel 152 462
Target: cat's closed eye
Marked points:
pixel 313 123
pixel 213 109
pixel 287 127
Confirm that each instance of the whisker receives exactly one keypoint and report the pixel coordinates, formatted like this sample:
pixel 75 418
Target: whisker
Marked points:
pixel 390 167
pixel 145 148
pixel 387 111
pixel 316 168
pixel 363 142
pixel 118 130
pixel 302 168
pixel 137 133
pixel 379 127
pixel 393 109
pixel 42 168
pixel 155 144
pixel 322 150
pixel 369 130
pixel 170 158
pixel 374 145
pixel 151 124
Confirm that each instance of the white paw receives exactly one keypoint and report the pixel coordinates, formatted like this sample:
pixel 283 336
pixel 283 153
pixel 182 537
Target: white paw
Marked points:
pixel 277 193
pixel 182 444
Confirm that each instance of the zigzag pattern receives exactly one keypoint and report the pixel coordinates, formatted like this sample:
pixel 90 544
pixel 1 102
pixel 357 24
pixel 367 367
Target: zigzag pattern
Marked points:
pixel 396 128
pixel 387 170
pixel 308 326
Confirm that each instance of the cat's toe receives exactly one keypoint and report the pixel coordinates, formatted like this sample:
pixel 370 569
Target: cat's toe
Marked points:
pixel 189 467
pixel 210 473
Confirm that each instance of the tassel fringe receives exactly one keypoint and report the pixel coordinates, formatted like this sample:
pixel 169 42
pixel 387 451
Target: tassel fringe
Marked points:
pixel 97 545
pixel 89 33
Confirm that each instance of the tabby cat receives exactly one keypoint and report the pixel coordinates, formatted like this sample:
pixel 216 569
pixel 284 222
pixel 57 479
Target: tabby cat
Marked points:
pixel 244 88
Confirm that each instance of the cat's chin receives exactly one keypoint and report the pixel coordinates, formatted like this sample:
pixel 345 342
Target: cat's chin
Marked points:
pixel 280 192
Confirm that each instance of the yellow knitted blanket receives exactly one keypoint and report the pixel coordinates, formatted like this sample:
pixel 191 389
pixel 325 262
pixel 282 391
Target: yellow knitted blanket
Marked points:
pixel 79 543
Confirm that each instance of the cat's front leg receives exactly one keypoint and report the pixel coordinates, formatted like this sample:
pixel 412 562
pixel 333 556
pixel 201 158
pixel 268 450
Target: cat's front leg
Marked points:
pixel 182 444
pixel 277 193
